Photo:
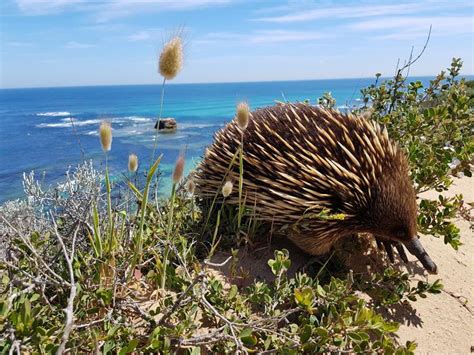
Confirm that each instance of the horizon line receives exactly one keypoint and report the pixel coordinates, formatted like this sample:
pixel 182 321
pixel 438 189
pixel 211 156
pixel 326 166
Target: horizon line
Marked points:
pixel 219 82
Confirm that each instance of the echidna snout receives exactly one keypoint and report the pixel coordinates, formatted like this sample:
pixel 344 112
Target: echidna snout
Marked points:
pixel 414 247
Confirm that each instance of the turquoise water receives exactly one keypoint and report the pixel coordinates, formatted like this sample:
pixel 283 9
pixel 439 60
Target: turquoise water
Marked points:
pixel 36 131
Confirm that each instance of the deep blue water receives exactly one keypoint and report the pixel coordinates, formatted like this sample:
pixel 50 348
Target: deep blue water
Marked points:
pixel 36 131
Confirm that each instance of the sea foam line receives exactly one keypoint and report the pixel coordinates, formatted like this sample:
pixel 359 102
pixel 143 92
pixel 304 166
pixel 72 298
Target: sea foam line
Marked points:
pixel 54 114
pixel 66 122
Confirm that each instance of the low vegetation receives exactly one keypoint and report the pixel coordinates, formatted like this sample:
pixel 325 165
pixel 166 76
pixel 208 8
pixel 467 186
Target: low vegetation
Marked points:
pixel 84 271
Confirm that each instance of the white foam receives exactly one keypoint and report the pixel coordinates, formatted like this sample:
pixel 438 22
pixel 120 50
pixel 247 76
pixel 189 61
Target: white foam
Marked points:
pixel 54 114
pixel 197 125
pixel 119 123
pixel 136 119
pixel 66 123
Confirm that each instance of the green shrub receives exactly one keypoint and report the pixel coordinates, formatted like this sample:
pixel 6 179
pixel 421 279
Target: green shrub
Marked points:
pixel 434 125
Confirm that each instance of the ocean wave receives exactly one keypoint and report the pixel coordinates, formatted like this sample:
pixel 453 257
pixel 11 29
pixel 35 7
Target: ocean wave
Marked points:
pixel 66 123
pixel 136 118
pixel 54 114
pixel 198 125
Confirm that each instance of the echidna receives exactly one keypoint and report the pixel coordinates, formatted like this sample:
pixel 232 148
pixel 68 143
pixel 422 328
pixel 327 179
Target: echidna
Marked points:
pixel 302 162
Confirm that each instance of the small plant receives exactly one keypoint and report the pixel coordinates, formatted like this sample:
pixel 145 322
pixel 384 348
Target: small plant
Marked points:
pixel 393 287
pixel 327 101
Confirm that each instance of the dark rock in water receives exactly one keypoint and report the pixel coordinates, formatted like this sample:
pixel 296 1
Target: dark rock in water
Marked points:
pixel 166 125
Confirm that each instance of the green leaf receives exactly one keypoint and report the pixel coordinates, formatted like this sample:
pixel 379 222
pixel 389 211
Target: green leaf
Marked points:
pixel 354 336
pixel 109 346
pixel 306 333
pixel 304 297
pixel 267 343
pixel 322 332
pixel 391 327
pixel 233 292
pixel 26 312
pixel 248 338
pixel 246 332
pixel 320 291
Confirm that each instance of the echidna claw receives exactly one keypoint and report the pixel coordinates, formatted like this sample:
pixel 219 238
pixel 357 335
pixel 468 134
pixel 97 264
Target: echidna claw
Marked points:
pixel 387 245
pixel 389 250
pixel 379 244
pixel 401 252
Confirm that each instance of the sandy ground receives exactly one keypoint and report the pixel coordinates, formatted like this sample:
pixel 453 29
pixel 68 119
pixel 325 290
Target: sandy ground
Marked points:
pixel 440 324
pixel 444 324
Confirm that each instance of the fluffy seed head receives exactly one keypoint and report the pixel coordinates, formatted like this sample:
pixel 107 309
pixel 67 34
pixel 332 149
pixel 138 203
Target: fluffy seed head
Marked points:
pixel 305 167
pixel 171 58
pixel 243 113
pixel 105 132
pixel 190 186
pixel 178 169
pixel 132 163
pixel 367 113
pixel 227 189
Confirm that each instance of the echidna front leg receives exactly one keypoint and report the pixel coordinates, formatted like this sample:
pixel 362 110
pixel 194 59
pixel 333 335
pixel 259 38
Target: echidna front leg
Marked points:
pixel 388 247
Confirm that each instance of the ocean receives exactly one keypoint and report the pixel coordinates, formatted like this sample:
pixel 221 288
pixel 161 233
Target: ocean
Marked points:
pixel 36 130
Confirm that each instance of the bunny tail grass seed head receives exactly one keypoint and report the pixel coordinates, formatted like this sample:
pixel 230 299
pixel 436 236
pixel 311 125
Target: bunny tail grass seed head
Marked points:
pixel 227 189
pixel 243 113
pixel 105 132
pixel 132 163
pixel 178 169
pixel 171 58
pixel 190 186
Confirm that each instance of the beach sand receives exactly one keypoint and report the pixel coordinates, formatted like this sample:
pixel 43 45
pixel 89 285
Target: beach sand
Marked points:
pixel 440 324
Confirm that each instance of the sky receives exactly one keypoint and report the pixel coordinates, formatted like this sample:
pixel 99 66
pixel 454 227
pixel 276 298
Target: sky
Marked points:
pixel 48 43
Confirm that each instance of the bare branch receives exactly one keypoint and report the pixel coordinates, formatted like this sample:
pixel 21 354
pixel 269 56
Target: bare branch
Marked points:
pixel 206 303
pixel 35 252
pixel 180 298
pixel 207 262
pixel 69 310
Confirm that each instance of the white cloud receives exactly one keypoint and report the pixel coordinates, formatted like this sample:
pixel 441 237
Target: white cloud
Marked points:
pixel 106 10
pixel 42 7
pixel 445 22
pixel 123 8
pixel 150 34
pixel 263 36
pixel 78 45
pixel 415 27
pixel 295 13
pixel 343 12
